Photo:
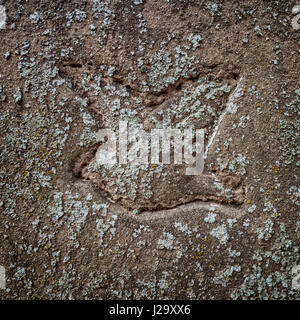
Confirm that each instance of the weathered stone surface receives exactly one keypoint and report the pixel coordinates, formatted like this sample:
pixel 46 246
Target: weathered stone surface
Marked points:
pixel 70 228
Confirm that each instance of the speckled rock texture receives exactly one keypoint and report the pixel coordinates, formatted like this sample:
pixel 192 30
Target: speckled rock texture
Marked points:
pixel 71 229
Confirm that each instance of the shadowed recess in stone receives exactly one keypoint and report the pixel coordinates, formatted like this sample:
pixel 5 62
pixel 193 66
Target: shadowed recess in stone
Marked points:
pixel 200 101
